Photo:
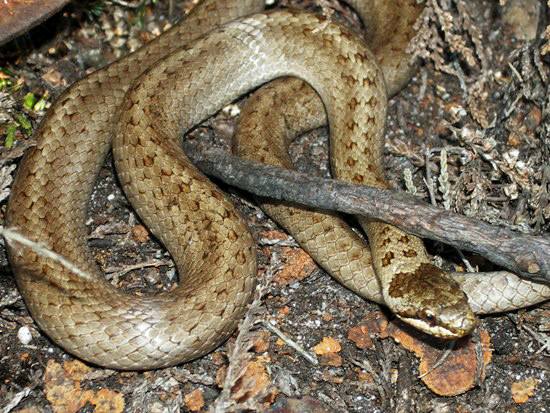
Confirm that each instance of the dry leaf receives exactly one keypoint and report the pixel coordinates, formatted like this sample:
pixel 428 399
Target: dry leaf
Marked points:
pixel 360 336
pixel 252 383
pixel 140 234
pixel 63 390
pixel 194 401
pixel 298 265
pixel 523 390
pixel 326 346
pixel 458 372
pixel 261 342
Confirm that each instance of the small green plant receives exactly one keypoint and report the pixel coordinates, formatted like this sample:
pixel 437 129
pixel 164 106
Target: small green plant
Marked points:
pixel 10 135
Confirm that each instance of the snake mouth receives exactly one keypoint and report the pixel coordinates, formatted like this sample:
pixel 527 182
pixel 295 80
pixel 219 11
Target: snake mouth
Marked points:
pixel 434 326
pixel 434 330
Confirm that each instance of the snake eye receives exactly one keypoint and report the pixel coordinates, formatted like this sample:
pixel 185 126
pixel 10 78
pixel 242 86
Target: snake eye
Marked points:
pixel 430 317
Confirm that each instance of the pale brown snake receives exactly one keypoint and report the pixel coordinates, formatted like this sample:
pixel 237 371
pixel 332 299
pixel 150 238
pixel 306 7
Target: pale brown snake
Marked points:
pixel 211 245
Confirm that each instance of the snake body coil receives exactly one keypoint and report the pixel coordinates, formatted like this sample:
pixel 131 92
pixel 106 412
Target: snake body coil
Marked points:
pixel 143 115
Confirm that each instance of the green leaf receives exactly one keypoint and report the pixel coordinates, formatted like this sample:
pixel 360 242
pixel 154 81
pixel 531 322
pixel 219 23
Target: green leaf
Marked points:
pixel 29 101
pixel 41 104
pixel 10 135
pixel 24 123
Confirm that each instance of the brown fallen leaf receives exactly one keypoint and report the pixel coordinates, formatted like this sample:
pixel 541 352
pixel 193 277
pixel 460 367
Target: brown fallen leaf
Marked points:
pixel 194 401
pixel 140 234
pixel 360 337
pixel 331 359
pixel 261 342
pixel 524 390
pixel 364 376
pixel 63 390
pixel 220 376
pixel 326 346
pixel 327 317
pixel 298 265
pixel 253 383
pixel 458 372
pixel 274 235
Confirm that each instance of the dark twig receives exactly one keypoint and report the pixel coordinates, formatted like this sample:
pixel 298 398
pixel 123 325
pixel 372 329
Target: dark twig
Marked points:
pixel 523 254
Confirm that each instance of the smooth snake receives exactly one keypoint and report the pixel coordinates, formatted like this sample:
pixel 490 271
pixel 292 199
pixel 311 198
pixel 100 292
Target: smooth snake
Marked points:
pixel 212 247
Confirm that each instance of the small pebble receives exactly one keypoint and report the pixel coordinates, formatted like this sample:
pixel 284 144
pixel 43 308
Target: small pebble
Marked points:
pixel 24 335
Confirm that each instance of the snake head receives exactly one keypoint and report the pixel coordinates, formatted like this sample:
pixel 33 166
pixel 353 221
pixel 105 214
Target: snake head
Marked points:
pixel 431 301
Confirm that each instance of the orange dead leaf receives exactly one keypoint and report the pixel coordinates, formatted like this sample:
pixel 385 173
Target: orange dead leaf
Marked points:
pixel 220 376
pixel 261 342
pixel 252 383
pixel 297 267
pixel 458 372
pixel 24 357
pixel 283 311
pixel 106 401
pixel 76 370
pixel 364 376
pixel 194 401
pixel 140 234
pixel 218 358
pixel 360 336
pixel 326 346
pixel 53 77
pixel 523 390
pixel 327 317
pixel 63 390
pixel 274 235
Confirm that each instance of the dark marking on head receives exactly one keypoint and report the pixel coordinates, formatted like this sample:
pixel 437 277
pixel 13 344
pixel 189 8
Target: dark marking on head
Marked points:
pixel 410 253
pixel 388 258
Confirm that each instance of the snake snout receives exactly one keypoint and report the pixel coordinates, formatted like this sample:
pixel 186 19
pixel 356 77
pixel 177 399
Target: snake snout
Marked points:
pixel 446 324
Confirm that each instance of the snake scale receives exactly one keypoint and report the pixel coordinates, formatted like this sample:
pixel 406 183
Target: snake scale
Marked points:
pixel 141 104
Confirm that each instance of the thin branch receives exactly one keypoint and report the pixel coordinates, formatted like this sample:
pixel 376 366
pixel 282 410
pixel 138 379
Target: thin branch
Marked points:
pixel 524 254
